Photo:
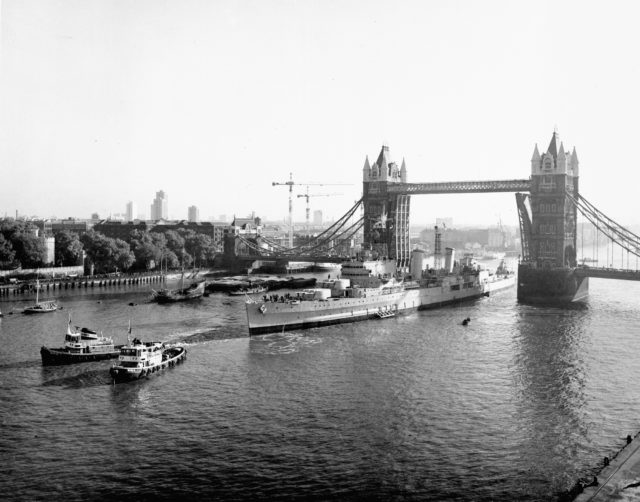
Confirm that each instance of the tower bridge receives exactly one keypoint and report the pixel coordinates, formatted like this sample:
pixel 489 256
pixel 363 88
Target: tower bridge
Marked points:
pixel 548 204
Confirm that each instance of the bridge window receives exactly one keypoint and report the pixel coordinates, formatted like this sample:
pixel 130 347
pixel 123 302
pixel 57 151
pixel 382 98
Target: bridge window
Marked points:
pixel 547 184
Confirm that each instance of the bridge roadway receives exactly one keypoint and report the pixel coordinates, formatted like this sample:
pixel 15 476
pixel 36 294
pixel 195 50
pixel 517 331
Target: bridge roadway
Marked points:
pixel 300 257
pixel 608 273
pixel 490 186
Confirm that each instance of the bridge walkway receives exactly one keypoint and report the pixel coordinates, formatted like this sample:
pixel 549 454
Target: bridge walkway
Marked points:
pixel 608 273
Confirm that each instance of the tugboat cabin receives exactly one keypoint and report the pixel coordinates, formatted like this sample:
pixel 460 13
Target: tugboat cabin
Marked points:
pixel 141 355
pixel 72 343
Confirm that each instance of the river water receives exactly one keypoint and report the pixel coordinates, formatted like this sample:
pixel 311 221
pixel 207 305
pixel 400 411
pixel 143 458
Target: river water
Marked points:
pixel 517 405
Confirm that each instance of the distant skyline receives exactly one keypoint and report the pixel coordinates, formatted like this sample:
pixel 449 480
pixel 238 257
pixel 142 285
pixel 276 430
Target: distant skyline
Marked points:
pixel 104 102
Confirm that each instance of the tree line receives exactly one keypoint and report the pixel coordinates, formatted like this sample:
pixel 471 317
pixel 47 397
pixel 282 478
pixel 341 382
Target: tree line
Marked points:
pixel 145 250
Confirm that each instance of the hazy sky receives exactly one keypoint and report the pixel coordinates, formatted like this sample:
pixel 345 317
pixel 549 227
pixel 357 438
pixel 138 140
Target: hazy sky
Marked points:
pixel 103 102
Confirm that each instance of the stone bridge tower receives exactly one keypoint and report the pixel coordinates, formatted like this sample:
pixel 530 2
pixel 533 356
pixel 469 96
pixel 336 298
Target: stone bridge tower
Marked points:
pixel 386 215
pixel 553 215
pixel 547 272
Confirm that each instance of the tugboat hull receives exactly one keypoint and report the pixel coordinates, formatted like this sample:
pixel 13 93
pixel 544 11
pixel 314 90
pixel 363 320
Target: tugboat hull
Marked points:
pixel 558 286
pixel 60 356
pixel 171 357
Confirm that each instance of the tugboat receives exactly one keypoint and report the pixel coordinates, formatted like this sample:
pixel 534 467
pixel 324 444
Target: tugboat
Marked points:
pixel 80 346
pixel 139 359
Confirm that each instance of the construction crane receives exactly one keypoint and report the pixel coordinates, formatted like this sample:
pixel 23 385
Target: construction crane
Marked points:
pixel 308 195
pixel 290 184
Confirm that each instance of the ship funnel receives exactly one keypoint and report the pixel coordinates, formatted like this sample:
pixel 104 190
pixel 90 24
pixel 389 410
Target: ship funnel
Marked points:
pixel 417 263
pixel 448 259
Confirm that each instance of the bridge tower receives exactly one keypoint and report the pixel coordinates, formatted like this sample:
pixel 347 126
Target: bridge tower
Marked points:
pixel 386 215
pixel 546 273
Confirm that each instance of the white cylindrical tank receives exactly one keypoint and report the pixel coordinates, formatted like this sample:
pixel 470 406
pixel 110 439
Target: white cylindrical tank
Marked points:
pixel 417 263
pixel 321 293
pixel 341 284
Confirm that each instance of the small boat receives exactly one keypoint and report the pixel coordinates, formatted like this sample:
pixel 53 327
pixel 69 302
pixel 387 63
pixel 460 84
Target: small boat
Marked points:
pixel 40 307
pixel 80 346
pixel 385 313
pixel 139 359
pixel 195 290
pixel 248 291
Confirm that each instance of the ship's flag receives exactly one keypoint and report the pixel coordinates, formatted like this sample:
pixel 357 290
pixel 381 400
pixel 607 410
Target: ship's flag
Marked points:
pixel 129 333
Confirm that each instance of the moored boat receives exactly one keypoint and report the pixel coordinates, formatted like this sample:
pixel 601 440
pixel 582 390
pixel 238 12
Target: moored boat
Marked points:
pixel 40 307
pixel 139 359
pixel 248 291
pixel 191 292
pixel 80 346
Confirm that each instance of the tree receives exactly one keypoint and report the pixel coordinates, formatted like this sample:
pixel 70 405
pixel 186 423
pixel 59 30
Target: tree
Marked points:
pixel 105 253
pixel 68 249
pixel 124 257
pixel 147 253
pixel 175 249
pixel 7 254
pixel 200 247
pixel 175 242
pixel 30 249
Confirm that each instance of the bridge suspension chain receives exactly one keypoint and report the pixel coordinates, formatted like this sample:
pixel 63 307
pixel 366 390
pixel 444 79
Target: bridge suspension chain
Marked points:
pixel 346 234
pixel 614 231
pixel 336 231
pixel 628 234
pixel 326 235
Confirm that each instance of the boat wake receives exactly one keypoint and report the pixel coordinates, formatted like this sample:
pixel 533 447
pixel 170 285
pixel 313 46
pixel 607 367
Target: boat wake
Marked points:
pixel 92 378
pixel 222 333
pixel 21 364
pixel 281 343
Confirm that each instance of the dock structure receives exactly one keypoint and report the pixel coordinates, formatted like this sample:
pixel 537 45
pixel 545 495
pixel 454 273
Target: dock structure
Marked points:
pixel 81 282
pixel 619 479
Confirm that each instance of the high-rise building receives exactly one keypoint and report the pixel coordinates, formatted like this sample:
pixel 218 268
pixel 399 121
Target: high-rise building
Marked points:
pixel 317 217
pixel 194 214
pixel 160 206
pixel 132 211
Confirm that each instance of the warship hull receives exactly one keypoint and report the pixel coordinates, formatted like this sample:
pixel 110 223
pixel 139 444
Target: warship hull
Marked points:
pixel 277 316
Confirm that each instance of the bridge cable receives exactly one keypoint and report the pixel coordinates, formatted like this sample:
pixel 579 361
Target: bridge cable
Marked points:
pixel 336 227
pixel 615 232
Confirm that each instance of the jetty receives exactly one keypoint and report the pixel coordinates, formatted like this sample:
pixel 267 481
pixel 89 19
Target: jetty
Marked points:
pixel 619 479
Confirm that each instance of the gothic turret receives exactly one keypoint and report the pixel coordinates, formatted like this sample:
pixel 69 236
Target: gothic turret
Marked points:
pixel 403 171
pixel 561 161
pixel 536 161
pixel 553 145
pixel 366 170
pixel 383 163
pixel 575 163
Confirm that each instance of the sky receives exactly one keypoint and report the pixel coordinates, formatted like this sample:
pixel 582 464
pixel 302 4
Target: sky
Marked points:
pixel 105 102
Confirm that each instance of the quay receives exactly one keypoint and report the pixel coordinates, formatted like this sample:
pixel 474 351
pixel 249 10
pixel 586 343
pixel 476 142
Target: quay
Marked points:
pixel 619 479
pixel 81 282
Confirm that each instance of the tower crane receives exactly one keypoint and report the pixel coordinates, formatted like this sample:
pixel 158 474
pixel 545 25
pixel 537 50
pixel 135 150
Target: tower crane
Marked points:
pixel 308 195
pixel 290 184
